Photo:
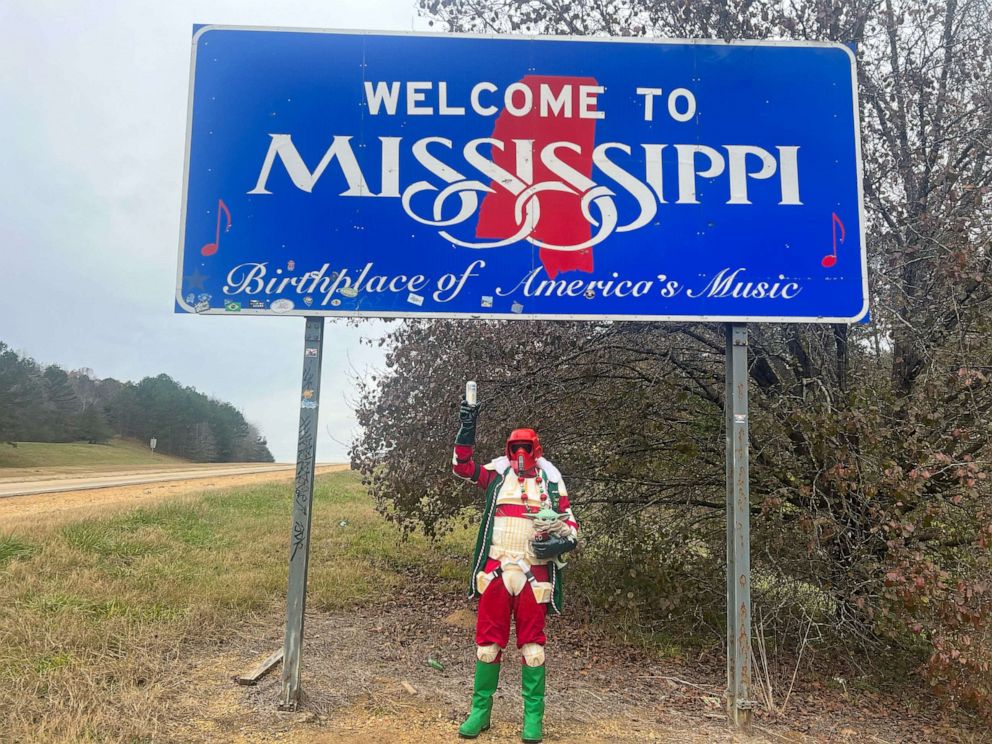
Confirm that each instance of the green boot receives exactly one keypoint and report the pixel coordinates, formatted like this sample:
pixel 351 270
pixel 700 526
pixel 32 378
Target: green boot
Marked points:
pixel 486 679
pixel 532 683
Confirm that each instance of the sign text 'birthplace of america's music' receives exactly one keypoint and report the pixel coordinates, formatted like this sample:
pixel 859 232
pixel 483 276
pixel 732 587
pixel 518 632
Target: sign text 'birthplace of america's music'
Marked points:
pixel 359 174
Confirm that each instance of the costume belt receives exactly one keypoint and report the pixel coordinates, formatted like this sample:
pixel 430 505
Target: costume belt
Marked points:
pixel 522 564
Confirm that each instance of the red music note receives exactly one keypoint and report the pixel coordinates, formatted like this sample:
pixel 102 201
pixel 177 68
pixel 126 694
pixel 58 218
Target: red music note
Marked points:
pixel 831 260
pixel 211 248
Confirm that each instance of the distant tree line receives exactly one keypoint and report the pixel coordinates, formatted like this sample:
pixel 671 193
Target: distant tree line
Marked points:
pixel 48 404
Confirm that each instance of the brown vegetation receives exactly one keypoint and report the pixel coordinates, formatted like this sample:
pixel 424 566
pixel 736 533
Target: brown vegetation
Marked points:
pixel 871 496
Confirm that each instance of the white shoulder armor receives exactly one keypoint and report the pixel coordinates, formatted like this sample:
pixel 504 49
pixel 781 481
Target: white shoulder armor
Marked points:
pixel 500 464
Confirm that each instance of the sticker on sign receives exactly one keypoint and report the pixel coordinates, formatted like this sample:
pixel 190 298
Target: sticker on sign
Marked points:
pixel 401 175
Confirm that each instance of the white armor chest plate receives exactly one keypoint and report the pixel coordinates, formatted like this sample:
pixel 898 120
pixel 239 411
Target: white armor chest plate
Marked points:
pixel 512 535
pixel 511 539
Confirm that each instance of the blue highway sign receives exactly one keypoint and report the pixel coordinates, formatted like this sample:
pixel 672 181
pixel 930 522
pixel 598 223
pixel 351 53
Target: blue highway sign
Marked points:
pixel 369 174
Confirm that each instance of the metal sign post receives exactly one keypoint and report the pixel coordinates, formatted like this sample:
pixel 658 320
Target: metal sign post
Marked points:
pixel 299 547
pixel 738 531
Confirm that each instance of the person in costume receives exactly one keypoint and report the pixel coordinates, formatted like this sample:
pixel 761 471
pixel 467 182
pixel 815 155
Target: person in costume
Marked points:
pixel 527 525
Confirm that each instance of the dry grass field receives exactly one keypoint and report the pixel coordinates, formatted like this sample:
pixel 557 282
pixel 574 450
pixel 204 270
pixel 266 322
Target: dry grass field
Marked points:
pixel 128 627
pixel 98 615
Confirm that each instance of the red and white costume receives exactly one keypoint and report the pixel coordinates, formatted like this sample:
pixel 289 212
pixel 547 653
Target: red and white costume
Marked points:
pixel 512 581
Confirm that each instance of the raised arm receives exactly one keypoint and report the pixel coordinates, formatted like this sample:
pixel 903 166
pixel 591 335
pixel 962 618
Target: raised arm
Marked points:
pixel 462 462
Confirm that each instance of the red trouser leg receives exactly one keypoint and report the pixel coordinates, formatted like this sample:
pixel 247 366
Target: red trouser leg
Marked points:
pixel 528 614
pixel 495 609
pixel 493 622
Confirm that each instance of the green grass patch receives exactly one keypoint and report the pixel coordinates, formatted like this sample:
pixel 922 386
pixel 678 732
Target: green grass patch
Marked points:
pixel 51 662
pixel 116 453
pixel 102 539
pixel 104 604
pixel 12 548
pixel 190 526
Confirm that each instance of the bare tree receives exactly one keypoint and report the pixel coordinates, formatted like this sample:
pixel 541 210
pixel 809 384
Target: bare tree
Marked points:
pixel 870 444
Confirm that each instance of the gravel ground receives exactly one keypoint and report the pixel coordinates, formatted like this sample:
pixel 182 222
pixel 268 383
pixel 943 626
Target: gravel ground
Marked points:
pixel 359 669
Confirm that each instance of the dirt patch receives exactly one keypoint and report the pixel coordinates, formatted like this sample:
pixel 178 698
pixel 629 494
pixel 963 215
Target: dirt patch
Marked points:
pixel 463 618
pixel 56 508
pixel 367 678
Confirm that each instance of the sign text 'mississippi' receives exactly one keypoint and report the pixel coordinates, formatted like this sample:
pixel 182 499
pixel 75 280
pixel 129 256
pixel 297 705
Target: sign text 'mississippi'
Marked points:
pixel 460 174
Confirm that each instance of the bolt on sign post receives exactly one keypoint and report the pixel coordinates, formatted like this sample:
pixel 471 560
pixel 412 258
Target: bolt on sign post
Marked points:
pixel 348 174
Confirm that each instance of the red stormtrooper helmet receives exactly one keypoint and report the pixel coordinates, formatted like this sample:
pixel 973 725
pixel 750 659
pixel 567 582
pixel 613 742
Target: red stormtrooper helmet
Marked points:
pixel 523 448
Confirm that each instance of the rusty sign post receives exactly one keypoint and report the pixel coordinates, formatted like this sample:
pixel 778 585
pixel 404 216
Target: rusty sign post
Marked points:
pixel 738 531
pixel 299 545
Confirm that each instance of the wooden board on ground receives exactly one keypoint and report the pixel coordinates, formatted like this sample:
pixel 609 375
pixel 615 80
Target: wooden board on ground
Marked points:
pixel 260 670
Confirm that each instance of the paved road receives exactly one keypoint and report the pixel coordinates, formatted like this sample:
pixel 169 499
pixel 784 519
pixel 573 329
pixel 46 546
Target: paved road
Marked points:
pixel 30 487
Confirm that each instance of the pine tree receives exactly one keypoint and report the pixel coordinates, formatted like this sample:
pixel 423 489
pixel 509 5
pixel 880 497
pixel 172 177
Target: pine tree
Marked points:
pixel 62 404
pixel 93 426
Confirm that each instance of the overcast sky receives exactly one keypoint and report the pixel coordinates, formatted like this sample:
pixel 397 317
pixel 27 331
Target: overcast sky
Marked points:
pixel 92 136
